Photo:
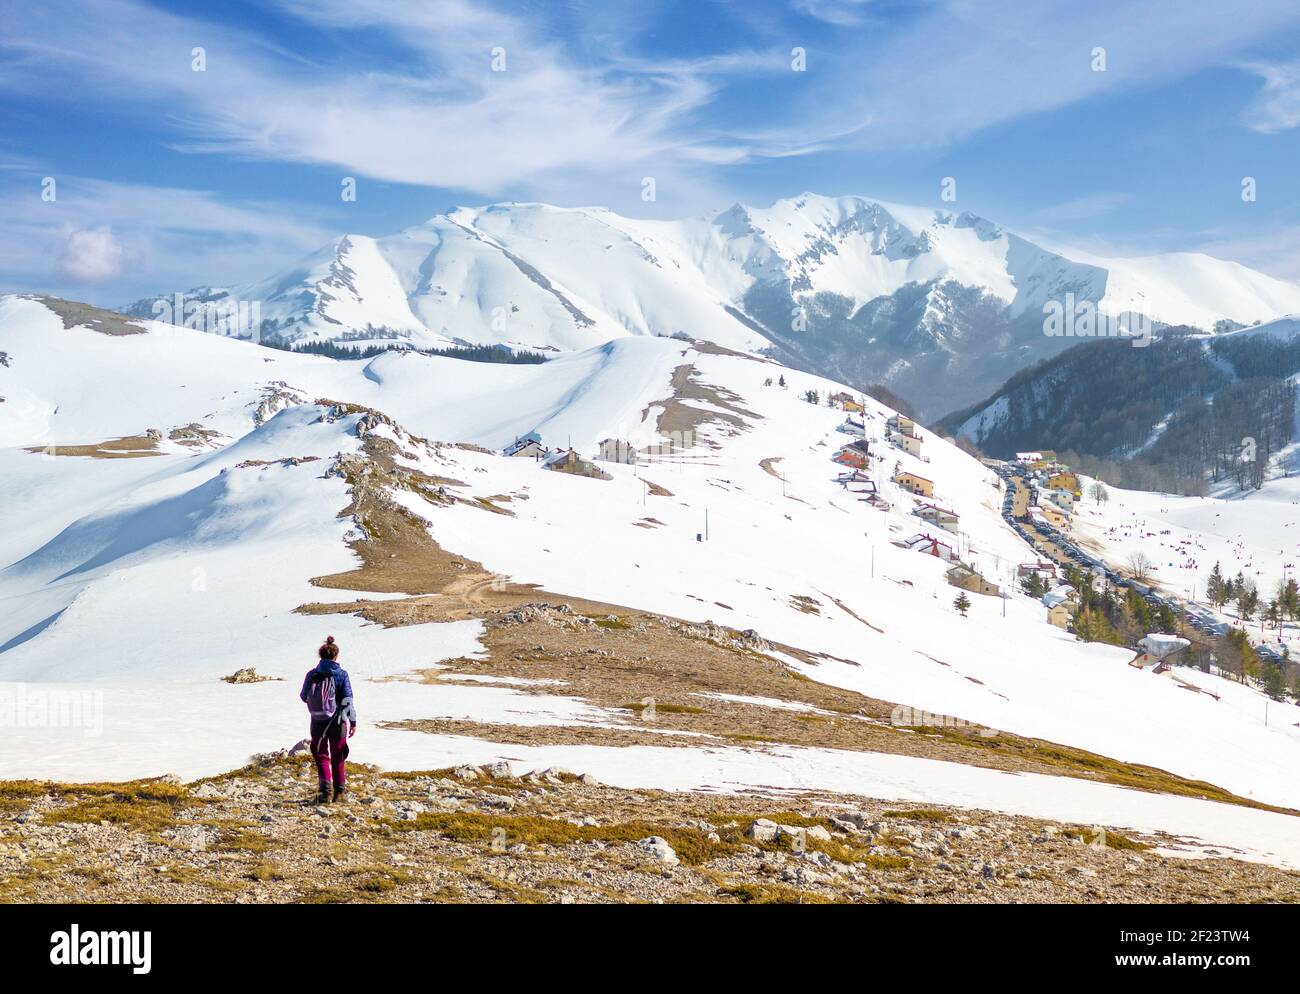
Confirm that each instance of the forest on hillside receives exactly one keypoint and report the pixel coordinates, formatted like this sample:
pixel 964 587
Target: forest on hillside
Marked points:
pixel 472 353
pixel 1175 416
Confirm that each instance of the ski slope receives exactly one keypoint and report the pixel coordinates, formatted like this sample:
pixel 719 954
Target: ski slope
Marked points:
pixel 1255 534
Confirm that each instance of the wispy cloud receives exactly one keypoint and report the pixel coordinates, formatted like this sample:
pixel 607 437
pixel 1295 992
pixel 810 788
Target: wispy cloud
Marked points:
pixel 404 91
pixel 1277 107
pixel 1274 249
pixel 429 109
pixel 967 65
pixel 478 101
pixel 842 13
pixel 1084 208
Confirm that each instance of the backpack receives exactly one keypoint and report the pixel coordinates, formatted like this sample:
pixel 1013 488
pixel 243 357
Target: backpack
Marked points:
pixel 322 699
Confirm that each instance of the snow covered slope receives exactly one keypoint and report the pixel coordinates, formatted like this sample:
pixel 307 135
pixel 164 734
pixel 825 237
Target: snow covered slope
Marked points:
pixel 134 584
pixel 947 303
pixel 1257 536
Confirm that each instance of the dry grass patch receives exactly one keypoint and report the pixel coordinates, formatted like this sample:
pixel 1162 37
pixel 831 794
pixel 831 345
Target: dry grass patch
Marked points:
pixel 1110 839
pixel 662 707
pixel 134 814
pixel 691 845
pixel 126 447
pixel 921 814
pixel 754 893
pixel 681 420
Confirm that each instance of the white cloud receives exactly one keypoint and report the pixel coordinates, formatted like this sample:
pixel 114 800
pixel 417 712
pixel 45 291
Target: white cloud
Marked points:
pixel 843 13
pixel 411 98
pixel 143 238
pixel 1277 107
pixel 582 114
pixel 91 255
pixel 436 115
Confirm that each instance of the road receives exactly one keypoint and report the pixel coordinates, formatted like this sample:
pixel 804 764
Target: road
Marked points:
pixel 1020 512
pixel 1060 549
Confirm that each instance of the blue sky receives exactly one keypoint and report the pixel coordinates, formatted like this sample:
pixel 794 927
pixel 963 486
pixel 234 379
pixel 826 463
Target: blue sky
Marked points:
pixel 166 177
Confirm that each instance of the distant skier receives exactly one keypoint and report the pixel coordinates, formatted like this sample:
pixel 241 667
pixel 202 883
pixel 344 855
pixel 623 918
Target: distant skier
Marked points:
pixel 327 692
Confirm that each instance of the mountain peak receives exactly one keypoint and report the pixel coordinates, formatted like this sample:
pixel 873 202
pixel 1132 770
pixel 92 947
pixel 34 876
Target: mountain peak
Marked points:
pixel 810 278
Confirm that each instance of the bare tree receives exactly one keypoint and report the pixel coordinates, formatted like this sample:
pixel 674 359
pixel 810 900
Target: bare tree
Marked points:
pixel 1098 492
pixel 1140 565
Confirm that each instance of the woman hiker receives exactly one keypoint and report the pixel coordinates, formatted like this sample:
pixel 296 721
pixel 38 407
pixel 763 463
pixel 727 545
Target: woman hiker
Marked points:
pixel 327 692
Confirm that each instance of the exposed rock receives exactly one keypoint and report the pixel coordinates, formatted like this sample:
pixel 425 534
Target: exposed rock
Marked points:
pixel 247 674
pixel 801 833
pixel 250 836
pixel 762 830
pixel 659 850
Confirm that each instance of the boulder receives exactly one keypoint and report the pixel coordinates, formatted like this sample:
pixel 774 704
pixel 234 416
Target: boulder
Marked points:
pixel 762 830
pixel 659 850
pixel 819 832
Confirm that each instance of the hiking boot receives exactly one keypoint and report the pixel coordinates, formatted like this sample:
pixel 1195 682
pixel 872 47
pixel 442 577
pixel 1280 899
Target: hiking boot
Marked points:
pixel 340 793
pixel 323 793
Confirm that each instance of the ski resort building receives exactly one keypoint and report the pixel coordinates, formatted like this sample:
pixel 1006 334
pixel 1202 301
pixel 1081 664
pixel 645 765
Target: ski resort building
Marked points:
pixel 1052 514
pixel 1061 615
pixel 526 447
pixel 853 426
pixel 901 425
pixel 1038 459
pixel 968 579
pixel 616 450
pixel 859 483
pixel 914 484
pixel 856 454
pixel 1065 482
pixel 568 461
pixel 940 516
pixel 910 444
pixel 931 546
pixel 1064 499
pixel 1042 568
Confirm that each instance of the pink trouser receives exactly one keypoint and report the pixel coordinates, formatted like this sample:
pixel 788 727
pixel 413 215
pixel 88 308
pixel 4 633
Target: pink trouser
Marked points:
pixel 330 751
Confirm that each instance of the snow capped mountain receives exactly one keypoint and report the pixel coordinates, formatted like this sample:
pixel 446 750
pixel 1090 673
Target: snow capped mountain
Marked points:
pixel 939 306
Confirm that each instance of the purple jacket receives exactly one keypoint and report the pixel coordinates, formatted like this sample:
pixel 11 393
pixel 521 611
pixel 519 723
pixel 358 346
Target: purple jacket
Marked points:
pixel 342 687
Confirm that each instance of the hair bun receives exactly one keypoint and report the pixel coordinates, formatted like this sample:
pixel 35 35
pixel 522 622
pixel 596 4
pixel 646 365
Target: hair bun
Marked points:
pixel 329 639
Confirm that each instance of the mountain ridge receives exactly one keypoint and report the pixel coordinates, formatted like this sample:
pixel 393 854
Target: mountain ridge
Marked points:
pixel 1172 416
pixel 938 305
